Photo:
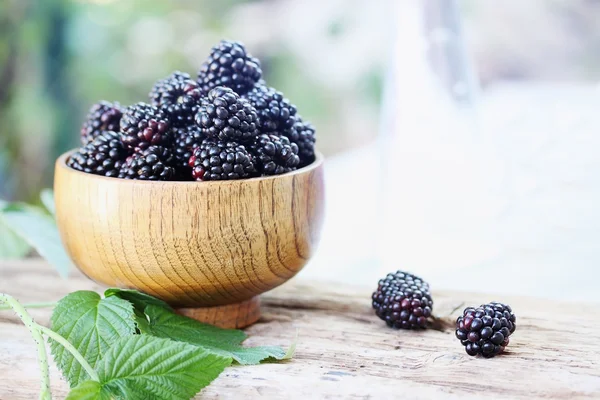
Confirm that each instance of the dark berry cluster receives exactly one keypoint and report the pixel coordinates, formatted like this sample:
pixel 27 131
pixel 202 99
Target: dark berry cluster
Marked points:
pixel 104 155
pixel 103 116
pixel 275 154
pixel 187 139
pixel 485 330
pixel 143 125
pixel 303 135
pixel 403 300
pixel 225 116
pixel 229 65
pixel 215 161
pixel 227 124
pixel 152 164
pixel 275 112
pixel 179 96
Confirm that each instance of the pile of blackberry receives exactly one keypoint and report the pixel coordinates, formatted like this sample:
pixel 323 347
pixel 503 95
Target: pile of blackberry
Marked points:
pixel 226 124
pixel 404 301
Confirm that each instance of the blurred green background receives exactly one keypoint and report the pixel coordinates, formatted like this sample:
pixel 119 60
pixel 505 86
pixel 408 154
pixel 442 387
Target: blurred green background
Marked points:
pixel 58 57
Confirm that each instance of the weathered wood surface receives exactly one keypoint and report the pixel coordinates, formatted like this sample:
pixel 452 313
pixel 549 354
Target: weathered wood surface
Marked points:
pixel 344 351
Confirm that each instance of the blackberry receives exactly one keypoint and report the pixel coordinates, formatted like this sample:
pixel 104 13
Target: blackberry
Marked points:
pixel 103 116
pixel 225 116
pixel 186 140
pixel 143 125
pixel 179 96
pixel 216 161
pixel 403 300
pixel 275 154
pixel 275 112
pixel 152 164
pixel 303 134
pixel 229 65
pixel 485 330
pixel 102 156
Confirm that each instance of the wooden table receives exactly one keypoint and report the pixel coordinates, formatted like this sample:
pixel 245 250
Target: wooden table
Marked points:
pixel 345 351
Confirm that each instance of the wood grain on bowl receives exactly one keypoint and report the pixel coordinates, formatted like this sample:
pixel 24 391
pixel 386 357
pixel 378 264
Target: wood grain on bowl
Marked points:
pixel 231 316
pixel 192 244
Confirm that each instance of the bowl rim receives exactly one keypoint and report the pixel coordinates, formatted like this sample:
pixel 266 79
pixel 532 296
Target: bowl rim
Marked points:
pixel 61 162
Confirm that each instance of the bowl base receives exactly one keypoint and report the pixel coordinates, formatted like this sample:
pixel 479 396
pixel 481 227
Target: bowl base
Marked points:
pixel 230 316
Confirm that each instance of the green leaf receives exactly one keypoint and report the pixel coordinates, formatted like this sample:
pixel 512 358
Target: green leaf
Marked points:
pixel 11 246
pixel 92 325
pixel 226 342
pixel 138 299
pixel 47 197
pixel 38 228
pixel 89 390
pixel 143 367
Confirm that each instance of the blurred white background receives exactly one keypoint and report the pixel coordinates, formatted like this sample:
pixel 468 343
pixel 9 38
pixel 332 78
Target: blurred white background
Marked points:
pixel 461 136
pixel 494 188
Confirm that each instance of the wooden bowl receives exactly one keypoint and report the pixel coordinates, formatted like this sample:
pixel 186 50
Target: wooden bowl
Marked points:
pixel 207 248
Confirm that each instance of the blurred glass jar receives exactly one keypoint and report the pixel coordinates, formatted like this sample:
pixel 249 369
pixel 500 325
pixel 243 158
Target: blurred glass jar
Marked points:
pixel 440 177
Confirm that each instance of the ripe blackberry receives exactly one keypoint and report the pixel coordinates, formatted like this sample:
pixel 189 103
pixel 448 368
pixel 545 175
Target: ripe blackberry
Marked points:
pixel 225 116
pixel 216 161
pixel 275 154
pixel 143 125
pixel 186 140
pixel 229 65
pixel 403 300
pixel 102 156
pixel 485 330
pixel 152 164
pixel 275 112
pixel 103 116
pixel 179 96
pixel 303 134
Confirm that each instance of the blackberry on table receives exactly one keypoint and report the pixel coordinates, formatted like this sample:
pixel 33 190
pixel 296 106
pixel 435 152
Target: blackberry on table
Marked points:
pixel 303 134
pixel 104 155
pixel 229 65
pixel 179 96
pixel 152 164
pixel 485 330
pixel 275 112
pixel 143 125
pixel 186 140
pixel 216 160
pixel 403 301
pixel 225 116
pixel 275 154
pixel 102 116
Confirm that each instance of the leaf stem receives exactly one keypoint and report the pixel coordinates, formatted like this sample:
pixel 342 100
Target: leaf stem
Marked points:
pixel 46 304
pixel 37 338
pixel 71 349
